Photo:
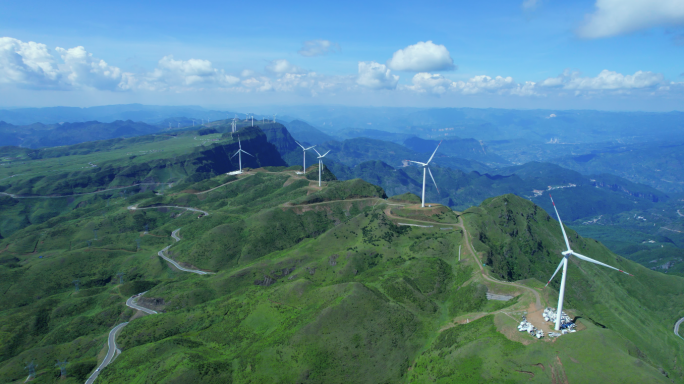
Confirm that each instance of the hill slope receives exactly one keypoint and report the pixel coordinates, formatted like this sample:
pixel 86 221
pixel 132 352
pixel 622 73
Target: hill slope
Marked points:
pixel 324 286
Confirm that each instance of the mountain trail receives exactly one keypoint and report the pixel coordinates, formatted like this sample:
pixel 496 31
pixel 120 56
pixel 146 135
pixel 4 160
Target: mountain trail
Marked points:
pixel 132 303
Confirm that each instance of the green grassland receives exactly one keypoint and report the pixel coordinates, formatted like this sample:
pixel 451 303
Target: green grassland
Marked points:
pixel 319 286
pixel 54 181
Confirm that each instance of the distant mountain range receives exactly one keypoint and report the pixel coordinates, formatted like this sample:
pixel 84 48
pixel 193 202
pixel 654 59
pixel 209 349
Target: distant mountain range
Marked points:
pixel 582 196
pixel 40 135
pixel 658 164
pixel 151 114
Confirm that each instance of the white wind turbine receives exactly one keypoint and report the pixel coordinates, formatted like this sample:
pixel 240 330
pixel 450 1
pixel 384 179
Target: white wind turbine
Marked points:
pixel 239 154
pixel 320 164
pixel 304 151
pixel 426 169
pixel 564 264
pixel 274 116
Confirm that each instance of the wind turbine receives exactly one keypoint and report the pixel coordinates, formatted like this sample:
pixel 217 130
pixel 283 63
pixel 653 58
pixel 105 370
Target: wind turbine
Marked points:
pixel 564 264
pixel 426 169
pixel 304 151
pixel 252 120
pixel 239 153
pixel 274 117
pixel 320 164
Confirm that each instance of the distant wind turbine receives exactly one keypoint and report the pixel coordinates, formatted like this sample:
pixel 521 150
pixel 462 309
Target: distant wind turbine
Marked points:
pixel 426 169
pixel 252 120
pixel 564 264
pixel 239 154
pixel 304 151
pixel 274 116
pixel 320 165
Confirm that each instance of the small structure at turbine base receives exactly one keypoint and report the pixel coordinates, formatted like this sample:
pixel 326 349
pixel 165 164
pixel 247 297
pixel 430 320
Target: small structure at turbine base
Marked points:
pixel 526 326
pixel 566 323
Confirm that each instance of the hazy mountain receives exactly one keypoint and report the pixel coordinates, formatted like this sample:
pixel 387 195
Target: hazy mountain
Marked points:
pixel 582 196
pixel 658 164
pixel 151 114
pixel 304 132
pixel 470 149
pixel 38 135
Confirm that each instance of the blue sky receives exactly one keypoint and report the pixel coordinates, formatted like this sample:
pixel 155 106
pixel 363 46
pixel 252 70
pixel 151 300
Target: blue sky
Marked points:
pixel 601 54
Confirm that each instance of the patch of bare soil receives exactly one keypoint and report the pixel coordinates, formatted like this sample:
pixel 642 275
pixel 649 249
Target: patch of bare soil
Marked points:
pixel 512 332
pixel 137 315
pixel 153 303
pixel 536 317
pixel 527 373
pixel 289 181
pixel 558 373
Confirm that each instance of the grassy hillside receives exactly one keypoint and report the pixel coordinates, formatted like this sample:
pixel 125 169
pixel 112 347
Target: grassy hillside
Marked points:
pixel 37 185
pixel 520 241
pixel 322 285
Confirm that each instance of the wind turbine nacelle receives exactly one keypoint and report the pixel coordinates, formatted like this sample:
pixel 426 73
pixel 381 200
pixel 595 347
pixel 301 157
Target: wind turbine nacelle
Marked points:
pixel 566 253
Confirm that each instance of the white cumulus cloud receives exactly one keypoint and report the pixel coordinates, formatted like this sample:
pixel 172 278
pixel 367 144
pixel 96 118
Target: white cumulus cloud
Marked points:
pixel 422 57
pixel 376 76
pixel 80 68
pixel 318 48
pixel 437 84
pixel 282 66
pixel 31 64
pixel 616 17
pixel 605 81
pixel 185 74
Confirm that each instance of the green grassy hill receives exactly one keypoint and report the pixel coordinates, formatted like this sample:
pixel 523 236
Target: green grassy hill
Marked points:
pixel 36 185
pixel 322 285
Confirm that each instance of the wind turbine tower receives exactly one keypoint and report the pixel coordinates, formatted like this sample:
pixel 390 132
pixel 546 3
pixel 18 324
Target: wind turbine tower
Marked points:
pixel 252 120
pixel 32 370
pixel 120 275
pixel 274 116
pixel 304 151
pixel 62 367
pixel 76 283
pixel 426 169
pixel 564 264
pixel 239 154
pixel 320 165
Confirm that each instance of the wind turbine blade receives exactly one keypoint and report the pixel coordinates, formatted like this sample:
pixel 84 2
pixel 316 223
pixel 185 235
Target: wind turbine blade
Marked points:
pixel 433 179
pixel 433 153
pixel 557 269
pixel 245 152
pixel 319 155
pixel 325 154
pixel 561 224
pixel 589 259
pixel 417 162
pixel 306 149
pixel 300 145
pixel 235 154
